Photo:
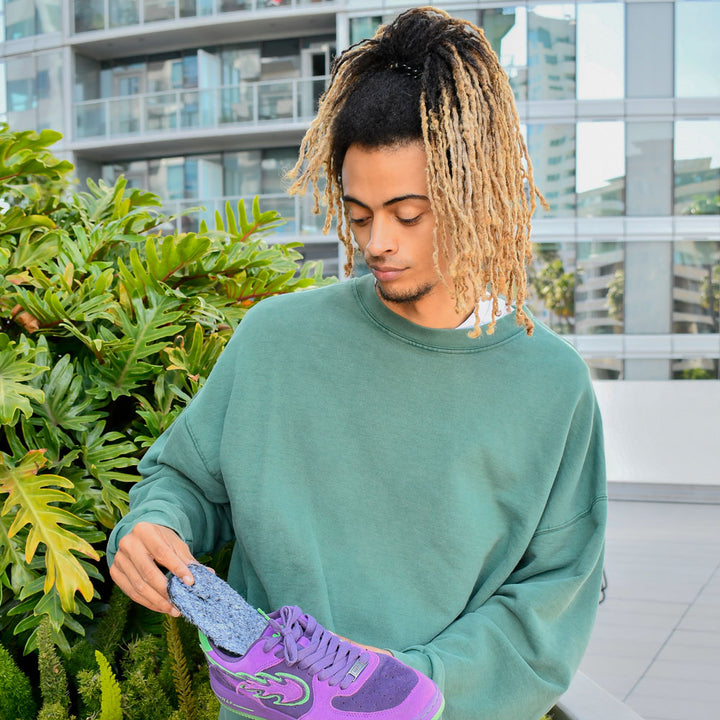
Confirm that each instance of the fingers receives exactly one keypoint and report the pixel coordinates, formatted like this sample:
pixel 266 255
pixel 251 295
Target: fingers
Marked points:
pixel 137 565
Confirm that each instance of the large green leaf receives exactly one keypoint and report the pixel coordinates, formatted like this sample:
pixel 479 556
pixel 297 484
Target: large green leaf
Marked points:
pixel 144 332
pixel 33 497
pixel 24 153
pixel 17 369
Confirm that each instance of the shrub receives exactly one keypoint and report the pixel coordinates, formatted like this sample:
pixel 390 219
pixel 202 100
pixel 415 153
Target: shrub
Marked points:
pixel 110 322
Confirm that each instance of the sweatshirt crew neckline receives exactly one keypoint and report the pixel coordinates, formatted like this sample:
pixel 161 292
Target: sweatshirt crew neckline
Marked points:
pixel 439 339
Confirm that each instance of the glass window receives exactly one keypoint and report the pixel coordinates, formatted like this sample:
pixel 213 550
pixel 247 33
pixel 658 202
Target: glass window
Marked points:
pixel 363 27
pixel 164 73
pixel 600 288
pixel 697 50
pixel 600 50
pixel 696 287
pixel 649 169
pixel 552 280
pixel 238 64
pixel 551 52
pixel 606 368
pixel 506 31
pixel 19 19
pixel 694 369
pixel 87 79
pixel 33 91
pixel 48 16
pixel 89 15
pixel 158 10
pixel 552 152
pixel 49 91
pixel 280 59
pixel 124 12
pixel 241 172
pixel 233 5
pixel 600 169
pixel 326 253
pixel 697 167
pixel 275 162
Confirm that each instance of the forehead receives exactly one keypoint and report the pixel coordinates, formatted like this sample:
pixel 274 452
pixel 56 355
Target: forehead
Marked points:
pixel 386 171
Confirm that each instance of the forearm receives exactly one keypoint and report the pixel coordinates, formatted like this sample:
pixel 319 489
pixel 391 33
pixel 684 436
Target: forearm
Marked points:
pixel 513 656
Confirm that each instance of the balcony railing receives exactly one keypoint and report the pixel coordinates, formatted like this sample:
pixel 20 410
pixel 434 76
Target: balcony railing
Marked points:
pixel 249 103
pixel 90 15
pixel 301 223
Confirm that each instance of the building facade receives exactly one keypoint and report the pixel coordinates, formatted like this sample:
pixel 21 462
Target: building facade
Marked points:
pixel 205 101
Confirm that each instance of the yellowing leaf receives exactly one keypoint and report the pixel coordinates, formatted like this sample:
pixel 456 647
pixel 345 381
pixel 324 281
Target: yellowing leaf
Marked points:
pixel 32 494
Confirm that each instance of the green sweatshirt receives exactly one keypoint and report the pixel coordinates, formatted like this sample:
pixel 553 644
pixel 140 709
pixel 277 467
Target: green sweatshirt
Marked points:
pixel 412 488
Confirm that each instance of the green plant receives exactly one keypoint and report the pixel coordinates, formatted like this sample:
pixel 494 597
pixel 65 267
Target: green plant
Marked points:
pixel 109 323
pixel 16 700
pixel 556 288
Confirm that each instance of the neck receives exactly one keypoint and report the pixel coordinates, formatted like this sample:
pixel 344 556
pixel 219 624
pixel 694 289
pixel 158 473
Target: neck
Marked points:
pixel 435 309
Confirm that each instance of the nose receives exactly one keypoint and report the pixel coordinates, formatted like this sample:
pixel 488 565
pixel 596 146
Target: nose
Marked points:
pixel 382 237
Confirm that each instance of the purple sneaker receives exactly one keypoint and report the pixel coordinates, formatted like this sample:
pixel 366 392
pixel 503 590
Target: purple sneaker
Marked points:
pixel 297 669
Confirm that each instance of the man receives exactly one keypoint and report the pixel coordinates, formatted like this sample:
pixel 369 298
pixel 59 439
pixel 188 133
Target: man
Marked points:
pixel 401 455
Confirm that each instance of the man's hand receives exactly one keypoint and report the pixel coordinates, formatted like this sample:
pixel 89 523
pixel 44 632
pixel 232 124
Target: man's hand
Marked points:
pixel 135 568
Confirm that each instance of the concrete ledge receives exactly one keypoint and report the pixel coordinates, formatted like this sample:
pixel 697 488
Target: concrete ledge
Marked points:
pixel 586 700
pixel 665 492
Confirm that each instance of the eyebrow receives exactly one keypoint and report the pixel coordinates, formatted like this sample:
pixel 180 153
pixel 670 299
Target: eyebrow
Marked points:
pixel 393 201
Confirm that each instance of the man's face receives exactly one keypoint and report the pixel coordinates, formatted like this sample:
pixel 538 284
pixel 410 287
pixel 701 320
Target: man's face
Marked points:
pixel 385 193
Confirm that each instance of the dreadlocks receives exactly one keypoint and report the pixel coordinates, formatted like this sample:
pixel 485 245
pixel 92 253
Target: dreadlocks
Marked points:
pixel 430 77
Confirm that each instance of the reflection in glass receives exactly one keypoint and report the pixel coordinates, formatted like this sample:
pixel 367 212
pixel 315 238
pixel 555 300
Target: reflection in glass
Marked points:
pixel 275 100
pixel 326 253
pixel 697 167
pixel 49 91
pixel 90 120
pixel 363 27
pixel 124 12
pixel 551 52
pixel 552 151
pixel 89 15
pixel 124 116
pixel 599 293
pixel 25 18
pixel 34 97
pixel 158 10
pixel 242 172
pixel 695 369
pixel 552 280
pixel 606 368
pixel 600 50
pixel 600 169
pixel 19 19
pixel 198 177
pixel 696 287
pixel 506 30
pixel 697 50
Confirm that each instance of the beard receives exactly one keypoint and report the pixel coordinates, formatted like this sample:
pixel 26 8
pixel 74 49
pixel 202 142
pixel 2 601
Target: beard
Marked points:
pixel 410 295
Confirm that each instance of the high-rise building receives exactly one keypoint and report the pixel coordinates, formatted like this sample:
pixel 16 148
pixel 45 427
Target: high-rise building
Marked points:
pixel 205 101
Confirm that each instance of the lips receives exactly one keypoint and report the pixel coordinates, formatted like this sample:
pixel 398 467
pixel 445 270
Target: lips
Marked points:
pixel 385 273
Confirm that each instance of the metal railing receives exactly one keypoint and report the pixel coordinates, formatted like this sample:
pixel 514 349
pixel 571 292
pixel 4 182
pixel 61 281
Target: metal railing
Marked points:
pixel 93 15
pixel 249 103
pixel 296 210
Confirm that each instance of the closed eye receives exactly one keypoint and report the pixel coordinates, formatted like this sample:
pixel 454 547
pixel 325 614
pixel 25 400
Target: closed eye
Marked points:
pixel 410 221
pixel 360 222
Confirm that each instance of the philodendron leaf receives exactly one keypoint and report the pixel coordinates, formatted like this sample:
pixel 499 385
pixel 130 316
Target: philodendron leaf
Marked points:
pixel 17 369
pixel 32 497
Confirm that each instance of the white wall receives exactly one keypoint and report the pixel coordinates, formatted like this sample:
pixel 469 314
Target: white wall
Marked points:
pixel 661 432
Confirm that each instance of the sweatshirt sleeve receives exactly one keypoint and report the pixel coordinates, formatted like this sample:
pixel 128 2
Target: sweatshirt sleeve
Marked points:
pixel 512 655
pixel 182 485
